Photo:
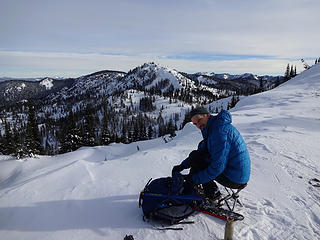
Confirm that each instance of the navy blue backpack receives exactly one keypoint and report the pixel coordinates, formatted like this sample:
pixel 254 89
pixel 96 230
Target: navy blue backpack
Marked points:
pixel 162 199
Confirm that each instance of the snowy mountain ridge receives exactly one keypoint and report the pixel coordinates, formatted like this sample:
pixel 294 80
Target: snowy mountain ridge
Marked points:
pixel 92 193
pixel 147 75
pixel 150 97
pixel 13 91
pixel 228 76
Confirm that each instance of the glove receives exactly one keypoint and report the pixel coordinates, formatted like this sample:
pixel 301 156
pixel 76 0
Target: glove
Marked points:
pixel 177 168
pixel 188 180
pixel 188 184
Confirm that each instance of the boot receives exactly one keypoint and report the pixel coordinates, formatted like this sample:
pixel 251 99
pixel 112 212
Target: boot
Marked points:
pixel 211 191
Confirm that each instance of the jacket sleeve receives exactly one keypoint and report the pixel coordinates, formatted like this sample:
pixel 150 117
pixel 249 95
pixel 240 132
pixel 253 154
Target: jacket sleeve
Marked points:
pixel 219 148
pixel 186 163
pixel 202 147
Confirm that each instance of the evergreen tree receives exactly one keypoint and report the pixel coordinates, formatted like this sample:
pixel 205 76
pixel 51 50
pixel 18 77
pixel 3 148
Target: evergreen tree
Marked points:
pixel 260 86
pixel 105 138
pixel 142 127
pixel 48 148
pixel 143 132
pixel 186 119
pixel 146 104
pixel 71 140
pixel 1 144
pixel 33 141
pixel 89 133
pixel 7 147
pixel 287 73
pixel 150 132
pixel 125 134
pixel 136 131
pixel 161 126
pixel 171 129
pixel 292 74
pixel 277 82
pixel 234 101
pixel 19 149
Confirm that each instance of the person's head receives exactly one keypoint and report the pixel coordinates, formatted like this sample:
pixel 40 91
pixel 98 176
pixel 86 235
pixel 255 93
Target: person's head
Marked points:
pixel 199 117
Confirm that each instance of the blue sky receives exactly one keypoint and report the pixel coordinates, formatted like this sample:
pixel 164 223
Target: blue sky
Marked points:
pixel 75 37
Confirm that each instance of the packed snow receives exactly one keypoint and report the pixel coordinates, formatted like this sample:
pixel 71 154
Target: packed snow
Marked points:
pixel 92 193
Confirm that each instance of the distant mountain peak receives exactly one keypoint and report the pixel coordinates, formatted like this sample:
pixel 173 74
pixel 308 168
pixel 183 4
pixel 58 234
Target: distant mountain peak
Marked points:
pixel 150 75
pixel 47 83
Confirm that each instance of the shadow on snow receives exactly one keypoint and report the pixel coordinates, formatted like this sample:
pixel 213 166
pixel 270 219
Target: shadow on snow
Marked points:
pixel 94 214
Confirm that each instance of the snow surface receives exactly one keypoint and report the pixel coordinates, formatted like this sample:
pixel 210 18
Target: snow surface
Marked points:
pixel 18 88
pixel 92 193
pixel 47 83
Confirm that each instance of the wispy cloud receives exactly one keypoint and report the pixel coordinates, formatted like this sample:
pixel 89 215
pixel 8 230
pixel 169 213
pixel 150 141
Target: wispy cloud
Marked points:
pixel 54 36
pixel 217 57
pixel 40 64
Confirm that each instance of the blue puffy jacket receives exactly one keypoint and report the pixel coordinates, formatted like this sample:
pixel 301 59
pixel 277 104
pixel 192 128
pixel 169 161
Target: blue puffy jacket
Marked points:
pixel 227 149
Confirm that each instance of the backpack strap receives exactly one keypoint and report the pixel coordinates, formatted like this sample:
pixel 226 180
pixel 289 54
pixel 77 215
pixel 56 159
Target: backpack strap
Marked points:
pixel 142 192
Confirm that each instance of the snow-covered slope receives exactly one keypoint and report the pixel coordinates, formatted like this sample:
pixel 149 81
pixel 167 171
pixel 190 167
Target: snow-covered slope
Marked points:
pixel 92 193
pixel 150 75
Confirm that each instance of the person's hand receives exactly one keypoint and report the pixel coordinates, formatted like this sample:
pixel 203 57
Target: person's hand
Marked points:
pixel 177 168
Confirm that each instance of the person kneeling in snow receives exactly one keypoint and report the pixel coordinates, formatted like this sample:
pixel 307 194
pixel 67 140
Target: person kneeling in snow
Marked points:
pixel 221 156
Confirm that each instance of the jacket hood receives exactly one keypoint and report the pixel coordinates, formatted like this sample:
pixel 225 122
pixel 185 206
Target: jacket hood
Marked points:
pixel 224 117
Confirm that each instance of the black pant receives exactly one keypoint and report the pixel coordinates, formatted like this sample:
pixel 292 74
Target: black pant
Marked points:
pixel 198 163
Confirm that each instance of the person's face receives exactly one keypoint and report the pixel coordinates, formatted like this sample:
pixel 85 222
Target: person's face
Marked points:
pixel 200 120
